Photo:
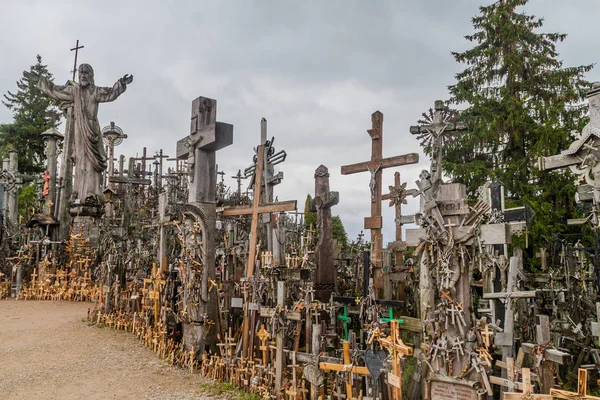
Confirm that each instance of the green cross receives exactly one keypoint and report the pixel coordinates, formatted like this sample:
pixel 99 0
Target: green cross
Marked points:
pixel 391 317
pixel 346 320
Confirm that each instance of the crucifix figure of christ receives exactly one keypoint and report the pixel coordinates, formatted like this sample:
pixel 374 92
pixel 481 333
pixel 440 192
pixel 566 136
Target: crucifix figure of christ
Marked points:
pixel 255 210
pixel 438 125
pixel 375 167
pixel 88 154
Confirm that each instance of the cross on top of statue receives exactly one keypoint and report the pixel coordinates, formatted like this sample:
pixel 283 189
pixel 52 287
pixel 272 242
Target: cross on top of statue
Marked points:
pixel 207 135
pixel 437 125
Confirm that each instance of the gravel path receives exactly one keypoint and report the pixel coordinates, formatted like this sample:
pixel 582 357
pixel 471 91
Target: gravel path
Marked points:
pixel 48 351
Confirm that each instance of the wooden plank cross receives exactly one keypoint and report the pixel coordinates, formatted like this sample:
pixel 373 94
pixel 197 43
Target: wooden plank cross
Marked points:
pixel 346 367
pixel 375 167
pixel 527 390
pixel 581 389
pixel 398 349
pixel 256 209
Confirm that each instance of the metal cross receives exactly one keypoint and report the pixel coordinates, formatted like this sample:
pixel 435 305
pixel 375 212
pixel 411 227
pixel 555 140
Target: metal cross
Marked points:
pixel 76 49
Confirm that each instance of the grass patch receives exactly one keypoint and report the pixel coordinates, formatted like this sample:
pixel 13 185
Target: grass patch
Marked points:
pixel 226 390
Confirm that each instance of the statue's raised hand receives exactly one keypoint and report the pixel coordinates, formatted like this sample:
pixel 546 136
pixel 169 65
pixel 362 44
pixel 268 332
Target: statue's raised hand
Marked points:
pixel 127 79
pixel 32 77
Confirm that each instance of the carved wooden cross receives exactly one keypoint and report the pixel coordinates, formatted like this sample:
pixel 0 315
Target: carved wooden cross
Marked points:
pixel 397 197
pixel 376 166
pixel 156 283
pixel 263 335
pixel 398 349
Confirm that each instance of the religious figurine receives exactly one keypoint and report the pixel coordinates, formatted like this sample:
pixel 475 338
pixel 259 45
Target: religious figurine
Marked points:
pixel 373 181
pixel 88 154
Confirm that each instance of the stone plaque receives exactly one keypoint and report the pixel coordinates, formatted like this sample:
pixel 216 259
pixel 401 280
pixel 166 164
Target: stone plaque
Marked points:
pixel 449 391
pixel 253 306
pixel 237 302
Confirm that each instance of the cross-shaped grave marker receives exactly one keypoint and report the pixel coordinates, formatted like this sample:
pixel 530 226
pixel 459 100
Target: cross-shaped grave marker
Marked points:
pixel 375 167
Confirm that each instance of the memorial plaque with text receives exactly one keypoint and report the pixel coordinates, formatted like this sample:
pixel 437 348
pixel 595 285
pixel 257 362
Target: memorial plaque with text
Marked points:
pixel 449 391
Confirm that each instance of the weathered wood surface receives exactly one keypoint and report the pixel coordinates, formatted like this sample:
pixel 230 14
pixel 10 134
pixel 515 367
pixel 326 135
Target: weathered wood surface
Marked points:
pixel 390 162
pixel 288 205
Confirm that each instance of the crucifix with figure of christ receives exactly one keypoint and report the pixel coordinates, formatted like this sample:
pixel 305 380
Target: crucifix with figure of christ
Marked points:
pixel 254 210
pixel 375 167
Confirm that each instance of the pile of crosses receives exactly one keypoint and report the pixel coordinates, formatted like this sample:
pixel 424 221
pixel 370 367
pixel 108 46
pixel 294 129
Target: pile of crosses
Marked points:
pixel 231 284
pixel 73 282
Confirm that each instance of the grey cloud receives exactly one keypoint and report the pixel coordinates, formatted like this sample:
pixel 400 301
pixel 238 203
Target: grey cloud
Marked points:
pixel 315 69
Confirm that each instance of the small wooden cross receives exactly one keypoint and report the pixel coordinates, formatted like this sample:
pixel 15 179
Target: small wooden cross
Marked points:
pixel 263 335
pixel 581 389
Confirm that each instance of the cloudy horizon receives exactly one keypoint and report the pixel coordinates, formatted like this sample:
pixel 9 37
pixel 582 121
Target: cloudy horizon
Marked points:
pixel 315 70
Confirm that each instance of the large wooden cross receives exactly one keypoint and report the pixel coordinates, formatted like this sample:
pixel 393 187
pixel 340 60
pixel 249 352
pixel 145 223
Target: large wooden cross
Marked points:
pixel 254 210
pixel 375 167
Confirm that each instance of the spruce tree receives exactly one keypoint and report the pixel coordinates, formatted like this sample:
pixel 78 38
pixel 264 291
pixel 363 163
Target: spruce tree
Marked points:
pixel 521 103
pixel 33 113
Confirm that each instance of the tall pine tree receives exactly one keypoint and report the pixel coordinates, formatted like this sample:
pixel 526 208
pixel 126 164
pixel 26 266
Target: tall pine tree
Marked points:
pixel 33 113
pixel 522 103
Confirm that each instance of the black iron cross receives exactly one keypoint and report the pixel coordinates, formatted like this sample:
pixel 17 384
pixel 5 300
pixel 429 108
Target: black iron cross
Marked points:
pixel 76 49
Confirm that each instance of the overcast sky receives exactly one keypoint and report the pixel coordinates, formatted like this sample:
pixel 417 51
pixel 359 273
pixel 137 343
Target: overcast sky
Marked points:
pixel 316 70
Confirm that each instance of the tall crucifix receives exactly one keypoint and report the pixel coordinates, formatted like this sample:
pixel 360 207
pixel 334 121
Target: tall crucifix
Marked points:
pixel 438 124
pixel 256 209
pixel 375 167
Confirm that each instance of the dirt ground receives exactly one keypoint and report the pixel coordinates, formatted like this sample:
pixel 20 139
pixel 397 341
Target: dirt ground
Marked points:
pixel 48 351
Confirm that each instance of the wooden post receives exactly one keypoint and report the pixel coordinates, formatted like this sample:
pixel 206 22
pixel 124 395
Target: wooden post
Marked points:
pixel 279 358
